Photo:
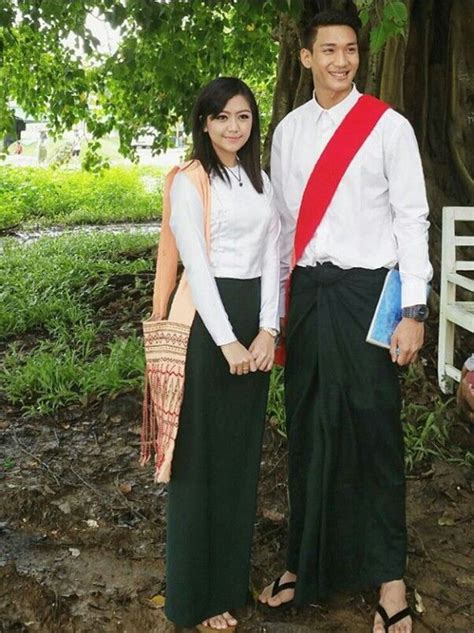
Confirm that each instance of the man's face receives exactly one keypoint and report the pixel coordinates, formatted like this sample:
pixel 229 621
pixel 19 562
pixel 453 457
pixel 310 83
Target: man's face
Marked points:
pixel 334 59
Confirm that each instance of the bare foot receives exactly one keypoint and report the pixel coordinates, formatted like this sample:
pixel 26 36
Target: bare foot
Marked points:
pixel 283 595
pixel 393 600
pixel 222 621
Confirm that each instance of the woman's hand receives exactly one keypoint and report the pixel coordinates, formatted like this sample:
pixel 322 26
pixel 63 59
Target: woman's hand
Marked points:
pixel 263 350
pixel 239 358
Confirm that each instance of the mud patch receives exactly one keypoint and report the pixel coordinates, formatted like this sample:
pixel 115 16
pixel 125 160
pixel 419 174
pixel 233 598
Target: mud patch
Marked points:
pixel 82 535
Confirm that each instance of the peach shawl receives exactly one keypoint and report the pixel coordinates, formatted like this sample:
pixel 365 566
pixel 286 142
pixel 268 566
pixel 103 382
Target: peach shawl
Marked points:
pixel 166 336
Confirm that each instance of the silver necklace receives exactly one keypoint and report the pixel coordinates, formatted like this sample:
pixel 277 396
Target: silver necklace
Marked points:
pixel 238 175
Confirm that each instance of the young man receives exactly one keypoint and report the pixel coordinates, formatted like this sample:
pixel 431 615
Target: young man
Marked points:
pixel 346 465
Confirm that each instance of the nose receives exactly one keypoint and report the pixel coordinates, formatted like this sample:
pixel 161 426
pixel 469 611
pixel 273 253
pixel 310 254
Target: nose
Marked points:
pixel 233 123
pixel 341 58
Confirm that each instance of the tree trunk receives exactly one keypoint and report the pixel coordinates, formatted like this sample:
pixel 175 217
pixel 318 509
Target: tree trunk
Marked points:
pixel 428 77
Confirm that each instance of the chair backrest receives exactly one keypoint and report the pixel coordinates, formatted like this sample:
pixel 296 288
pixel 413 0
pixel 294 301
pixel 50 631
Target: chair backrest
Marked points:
pixel 451 266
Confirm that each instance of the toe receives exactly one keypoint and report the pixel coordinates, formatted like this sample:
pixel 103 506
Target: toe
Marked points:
pixel 230 620
pixel 266 594
pixel 378 625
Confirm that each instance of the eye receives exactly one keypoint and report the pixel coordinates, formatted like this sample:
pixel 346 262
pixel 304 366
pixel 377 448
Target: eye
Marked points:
pixel 352 49
pixel 244 117
pixel 221 117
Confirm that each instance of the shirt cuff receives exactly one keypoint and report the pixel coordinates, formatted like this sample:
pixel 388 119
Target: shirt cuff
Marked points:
pixel 222 340
pixel 414 292
pixel 272 324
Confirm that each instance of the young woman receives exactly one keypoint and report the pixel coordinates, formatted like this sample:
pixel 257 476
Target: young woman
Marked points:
pixel 231 263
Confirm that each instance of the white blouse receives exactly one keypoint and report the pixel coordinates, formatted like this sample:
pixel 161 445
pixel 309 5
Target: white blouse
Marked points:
pixel 244 229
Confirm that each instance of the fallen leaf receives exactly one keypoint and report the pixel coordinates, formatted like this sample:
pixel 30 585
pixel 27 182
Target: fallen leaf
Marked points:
pixel 125 488
pixel 74 552
pixel 65 507
pixel 158 601
pixel 92 523
pixel 419 606
pixel 465 581
pixel 447 519
pixel 274 515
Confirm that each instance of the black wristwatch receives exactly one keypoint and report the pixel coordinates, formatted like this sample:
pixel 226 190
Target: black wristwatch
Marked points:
pixel 419 312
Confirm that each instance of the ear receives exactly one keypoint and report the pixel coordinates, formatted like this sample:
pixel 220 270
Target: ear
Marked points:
pixel 306 57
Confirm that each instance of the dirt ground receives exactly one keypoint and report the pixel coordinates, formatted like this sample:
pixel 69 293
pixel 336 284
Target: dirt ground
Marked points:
pixel 82 534
pixel 82 527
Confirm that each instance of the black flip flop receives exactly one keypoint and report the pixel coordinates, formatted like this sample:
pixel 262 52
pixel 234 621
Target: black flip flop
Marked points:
pixel 388 622
pixel 277 587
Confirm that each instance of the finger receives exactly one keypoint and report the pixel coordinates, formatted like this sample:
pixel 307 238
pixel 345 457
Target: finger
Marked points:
pixel 414 357
pixel 253 365
pixel 270 364
pixel 393 349
pixel 232 369
pixel 403 358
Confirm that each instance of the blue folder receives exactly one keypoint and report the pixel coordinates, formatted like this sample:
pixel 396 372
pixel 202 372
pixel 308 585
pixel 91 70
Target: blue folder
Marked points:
pixel 388 312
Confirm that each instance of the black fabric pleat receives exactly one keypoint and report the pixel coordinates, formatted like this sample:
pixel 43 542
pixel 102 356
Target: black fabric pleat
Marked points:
pixel 212 493
pixel 346 460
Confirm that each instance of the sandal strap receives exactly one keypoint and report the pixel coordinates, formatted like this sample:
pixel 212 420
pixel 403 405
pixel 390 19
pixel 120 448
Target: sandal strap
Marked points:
pixel 277 587
pixel 399 616
pixel 389 621
pixel 383 614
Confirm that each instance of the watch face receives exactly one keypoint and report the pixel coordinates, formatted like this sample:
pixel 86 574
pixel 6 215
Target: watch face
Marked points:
pixel 418 312
pixel 423 312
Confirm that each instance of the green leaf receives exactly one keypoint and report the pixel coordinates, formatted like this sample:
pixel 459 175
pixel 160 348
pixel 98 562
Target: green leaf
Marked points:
pixel 377 38
pixel 364 16
pixel 396 12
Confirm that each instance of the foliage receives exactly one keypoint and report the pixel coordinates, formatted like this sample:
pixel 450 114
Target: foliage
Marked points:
pixel 388 18
pixel 68 354
pixel 276 399
pixel 167 51
pixel 78 197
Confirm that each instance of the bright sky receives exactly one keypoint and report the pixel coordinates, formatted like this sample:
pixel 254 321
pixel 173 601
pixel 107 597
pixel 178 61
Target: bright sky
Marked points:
pixel 109 37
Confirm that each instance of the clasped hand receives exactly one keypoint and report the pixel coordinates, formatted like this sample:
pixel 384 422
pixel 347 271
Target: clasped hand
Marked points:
pixel 259 356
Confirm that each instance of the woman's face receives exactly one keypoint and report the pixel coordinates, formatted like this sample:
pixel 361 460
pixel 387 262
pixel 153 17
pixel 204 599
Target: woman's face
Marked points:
pixel 230 129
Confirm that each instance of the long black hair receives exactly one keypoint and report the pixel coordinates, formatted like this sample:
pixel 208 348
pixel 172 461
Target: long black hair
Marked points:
pixel 210 102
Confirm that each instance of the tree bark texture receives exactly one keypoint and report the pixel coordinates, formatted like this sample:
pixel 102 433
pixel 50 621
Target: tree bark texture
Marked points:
pixel 427 76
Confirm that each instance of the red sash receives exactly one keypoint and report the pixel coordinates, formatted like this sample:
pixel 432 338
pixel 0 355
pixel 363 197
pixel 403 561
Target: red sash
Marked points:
pixel 326 176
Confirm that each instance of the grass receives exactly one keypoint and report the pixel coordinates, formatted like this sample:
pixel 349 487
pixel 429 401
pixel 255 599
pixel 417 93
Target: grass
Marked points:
pixel 63 346
pixel 46 197
pixel 59 348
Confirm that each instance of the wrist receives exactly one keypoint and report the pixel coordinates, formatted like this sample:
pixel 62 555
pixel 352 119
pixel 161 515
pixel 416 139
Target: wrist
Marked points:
pixel 272 332
pixel 418 312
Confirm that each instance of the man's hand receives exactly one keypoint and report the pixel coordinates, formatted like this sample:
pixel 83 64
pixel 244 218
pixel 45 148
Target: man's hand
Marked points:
pixel 262 349
pixel 239 358
pixel 407 340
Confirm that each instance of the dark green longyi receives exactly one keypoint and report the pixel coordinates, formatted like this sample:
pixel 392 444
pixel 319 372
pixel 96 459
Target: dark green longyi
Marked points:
pixel 346 464
pixel 212 493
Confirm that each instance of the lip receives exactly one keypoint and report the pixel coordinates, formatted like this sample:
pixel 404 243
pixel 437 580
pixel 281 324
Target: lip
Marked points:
pixel 343 74
pixel 232 138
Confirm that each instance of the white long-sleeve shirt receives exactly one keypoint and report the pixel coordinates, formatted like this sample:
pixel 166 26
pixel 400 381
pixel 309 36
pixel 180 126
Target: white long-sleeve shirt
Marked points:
pixel 378 215
pixel 244 231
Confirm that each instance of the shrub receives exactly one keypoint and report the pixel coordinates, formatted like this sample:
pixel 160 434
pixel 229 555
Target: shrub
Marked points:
pixel 76 197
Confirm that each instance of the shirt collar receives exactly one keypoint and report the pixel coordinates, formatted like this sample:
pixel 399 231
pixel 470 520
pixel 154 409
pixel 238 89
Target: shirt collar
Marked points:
pixel 339 111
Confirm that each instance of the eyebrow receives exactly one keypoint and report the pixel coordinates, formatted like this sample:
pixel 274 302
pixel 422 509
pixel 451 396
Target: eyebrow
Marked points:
pixel 334 44
pixel 238 111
